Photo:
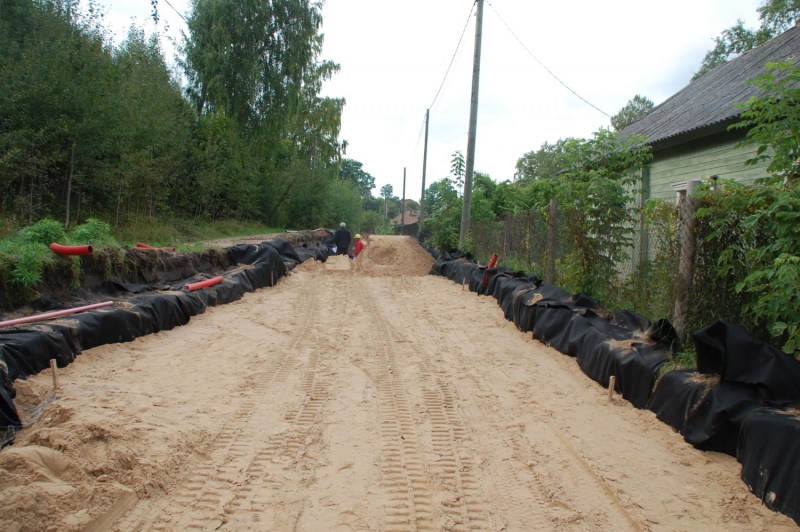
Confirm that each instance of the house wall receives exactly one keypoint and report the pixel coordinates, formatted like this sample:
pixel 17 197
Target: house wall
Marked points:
pixel 701 159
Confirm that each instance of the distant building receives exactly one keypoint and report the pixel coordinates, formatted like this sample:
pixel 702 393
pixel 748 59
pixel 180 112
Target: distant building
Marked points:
pixel 411 217
pixel 689 133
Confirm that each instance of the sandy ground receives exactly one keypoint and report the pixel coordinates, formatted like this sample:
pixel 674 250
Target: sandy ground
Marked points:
pixel 355 396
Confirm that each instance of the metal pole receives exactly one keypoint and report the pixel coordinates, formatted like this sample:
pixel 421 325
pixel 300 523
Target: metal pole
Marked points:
pixel 473 126
pixel 424 168
pixel 403 204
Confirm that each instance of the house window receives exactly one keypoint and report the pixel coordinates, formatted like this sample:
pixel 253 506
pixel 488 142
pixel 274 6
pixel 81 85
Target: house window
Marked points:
pixel 682 188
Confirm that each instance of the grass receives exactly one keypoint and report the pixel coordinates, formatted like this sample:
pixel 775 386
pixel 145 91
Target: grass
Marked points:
pixel 184 234
pixel 25 255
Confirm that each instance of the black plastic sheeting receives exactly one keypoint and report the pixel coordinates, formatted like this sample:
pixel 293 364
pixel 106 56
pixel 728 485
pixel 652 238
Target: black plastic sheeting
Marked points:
pixel 622 344
pixel 733 404
pixel 26 350
pixel 741 374
pixel 769 451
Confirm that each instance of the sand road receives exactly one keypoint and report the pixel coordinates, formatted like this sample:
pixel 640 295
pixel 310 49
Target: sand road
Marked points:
pixel 355 396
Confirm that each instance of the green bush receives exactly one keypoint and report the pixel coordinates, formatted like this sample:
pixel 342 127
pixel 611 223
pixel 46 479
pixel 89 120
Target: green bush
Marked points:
pixel 93 231
pixel 45 232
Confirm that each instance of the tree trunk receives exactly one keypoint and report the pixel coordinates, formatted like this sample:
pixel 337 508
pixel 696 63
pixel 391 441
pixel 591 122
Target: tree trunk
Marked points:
pixel 69 183
pixel 119 202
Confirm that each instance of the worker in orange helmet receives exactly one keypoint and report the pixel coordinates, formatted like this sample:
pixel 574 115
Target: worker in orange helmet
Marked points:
pixel 359 245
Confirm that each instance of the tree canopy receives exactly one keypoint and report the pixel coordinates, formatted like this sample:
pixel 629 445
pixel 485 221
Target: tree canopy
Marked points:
pixel 93 129
pixel 775 16
pixel 637 107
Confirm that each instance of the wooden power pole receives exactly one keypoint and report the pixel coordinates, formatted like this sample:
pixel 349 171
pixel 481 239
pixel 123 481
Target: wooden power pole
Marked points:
pixel 403 204
pixel 473 126
pixel 424 168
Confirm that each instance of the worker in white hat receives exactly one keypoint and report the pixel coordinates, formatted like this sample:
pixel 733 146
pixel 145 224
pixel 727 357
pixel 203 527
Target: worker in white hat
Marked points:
pixel 342 239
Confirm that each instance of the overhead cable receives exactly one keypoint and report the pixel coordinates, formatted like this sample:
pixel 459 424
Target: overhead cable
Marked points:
pixel 454 54
pixel 542 64
pixel 178 12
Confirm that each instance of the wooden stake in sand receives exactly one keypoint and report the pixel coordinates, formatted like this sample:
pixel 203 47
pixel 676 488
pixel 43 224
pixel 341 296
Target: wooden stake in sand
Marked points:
pixel 611 383
pixel 464 280
pixel 54 369
pixel 271 281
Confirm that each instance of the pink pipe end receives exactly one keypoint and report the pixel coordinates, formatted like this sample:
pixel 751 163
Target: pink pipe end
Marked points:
pixel 71 250
pixel 142 245
pixel 56 314
pixel 203 284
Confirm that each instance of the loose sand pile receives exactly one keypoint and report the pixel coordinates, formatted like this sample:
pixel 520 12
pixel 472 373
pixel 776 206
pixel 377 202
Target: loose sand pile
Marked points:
pixel 393 256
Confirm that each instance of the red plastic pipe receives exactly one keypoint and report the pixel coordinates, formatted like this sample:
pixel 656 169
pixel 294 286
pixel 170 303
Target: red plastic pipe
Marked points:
pixel 146 246
pixel 71 250
pixel 491 265
pixel 203 284
pixel 56 314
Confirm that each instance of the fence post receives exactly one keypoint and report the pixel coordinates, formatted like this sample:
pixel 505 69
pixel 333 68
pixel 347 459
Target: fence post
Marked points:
pixel 506 236
pixel 552 242
pixel 686 210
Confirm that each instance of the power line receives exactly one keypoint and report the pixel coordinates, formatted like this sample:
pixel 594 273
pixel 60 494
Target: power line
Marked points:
pixel 454 55
pixel 178 12
pixel 542 64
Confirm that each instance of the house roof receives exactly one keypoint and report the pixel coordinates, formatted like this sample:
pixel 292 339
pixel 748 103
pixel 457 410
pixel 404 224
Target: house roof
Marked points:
pixel 412 217
pixel 710 99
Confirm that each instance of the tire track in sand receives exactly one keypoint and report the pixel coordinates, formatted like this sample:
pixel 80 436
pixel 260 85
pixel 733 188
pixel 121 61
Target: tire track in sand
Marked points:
pixel 223 478
pixel 405 478
pixel 532 492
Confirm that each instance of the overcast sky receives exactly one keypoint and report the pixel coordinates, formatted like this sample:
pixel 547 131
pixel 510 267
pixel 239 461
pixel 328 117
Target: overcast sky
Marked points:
pixel 394 55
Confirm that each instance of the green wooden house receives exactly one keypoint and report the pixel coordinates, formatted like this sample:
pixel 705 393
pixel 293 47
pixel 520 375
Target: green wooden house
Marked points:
pixel 689 133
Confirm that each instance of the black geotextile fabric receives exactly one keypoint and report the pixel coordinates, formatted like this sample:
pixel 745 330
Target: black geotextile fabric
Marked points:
pixel 751 374
pixel 622 344
pixel 677 393
pixel 769 451
pixel 28 349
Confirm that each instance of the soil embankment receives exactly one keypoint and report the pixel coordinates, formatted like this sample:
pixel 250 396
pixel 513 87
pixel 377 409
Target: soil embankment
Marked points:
pixel 355 395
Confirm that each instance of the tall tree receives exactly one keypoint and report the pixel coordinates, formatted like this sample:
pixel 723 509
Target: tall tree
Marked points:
pixel 250 58
pixel 353 170
pixel 637 107
pixel 776 16
pixel 544 163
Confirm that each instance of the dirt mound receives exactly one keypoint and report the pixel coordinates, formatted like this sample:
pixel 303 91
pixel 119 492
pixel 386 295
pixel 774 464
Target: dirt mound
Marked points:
pixel 296 238
pixel 393 256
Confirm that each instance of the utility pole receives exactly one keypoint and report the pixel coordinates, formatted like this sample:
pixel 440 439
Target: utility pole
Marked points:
pixel 424 168
pixel 403 204
pixel 473 126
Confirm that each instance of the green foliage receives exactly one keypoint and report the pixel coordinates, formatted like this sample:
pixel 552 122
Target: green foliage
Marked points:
pixel 772 120
pixel 458 169
pixel 93 232
pixel 596 193
pixel 755 232
pixel 776 16
pixel 255 141
pixel 44 232
pixel 650 289
pixel 443 209
pixel 544 163
pixel 353 170
pixel 637 107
